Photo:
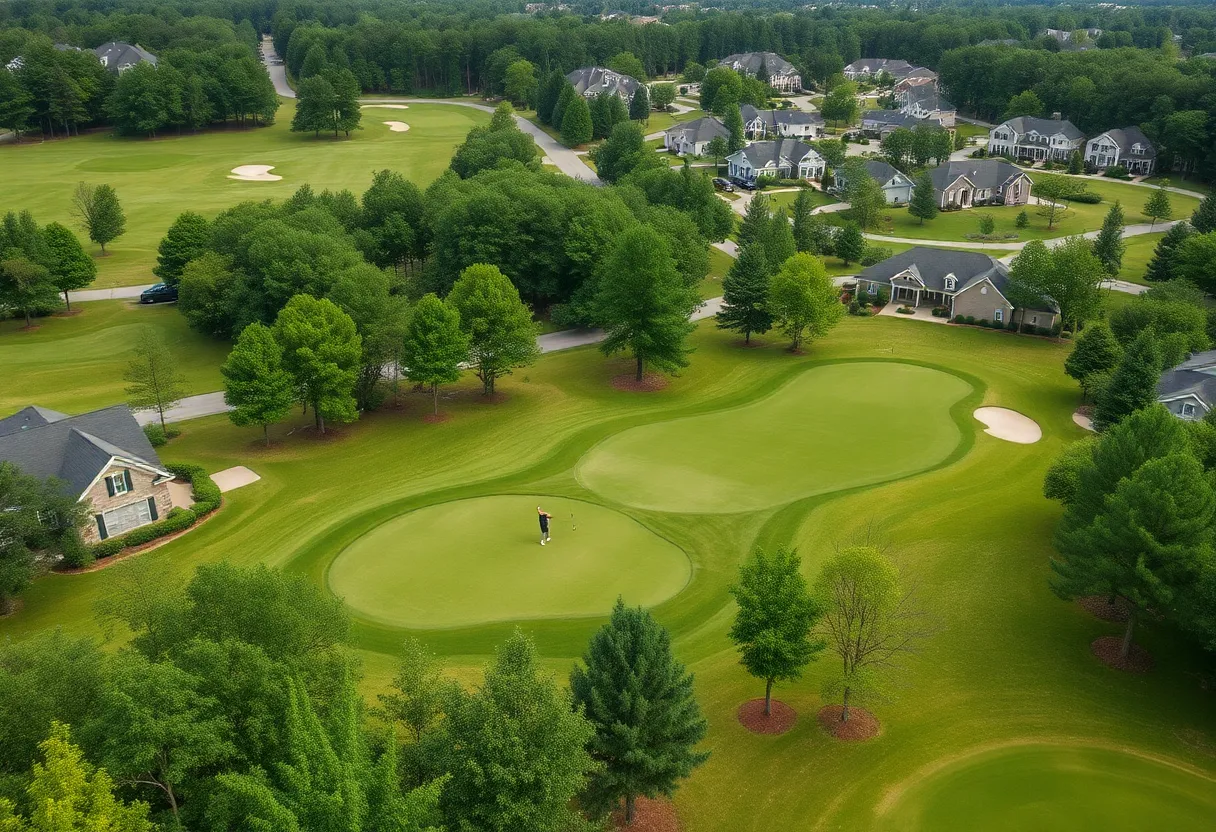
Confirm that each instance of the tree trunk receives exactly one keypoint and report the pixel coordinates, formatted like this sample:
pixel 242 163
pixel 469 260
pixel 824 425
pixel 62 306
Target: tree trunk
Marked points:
pixel 768 697
pixel 844 713
pixel 266 433
pixel 177 821
pixel 639 372
pixel 629 806
pixel 161 411
pixel 1126 648
pixel 747 337
pixel 67 300
pixel 316 418
pixel 103 249
pixel 28 323
pixel 489 384
pixel 435 395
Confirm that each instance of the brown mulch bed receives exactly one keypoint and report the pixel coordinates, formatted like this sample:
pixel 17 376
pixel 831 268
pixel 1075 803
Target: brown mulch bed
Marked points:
pixel 1107 650
pixel 650 383
pixel 649 816
pixel 751 716
pixel 436 418
pixel 862 725
pixel 105 563
pixel 1099 606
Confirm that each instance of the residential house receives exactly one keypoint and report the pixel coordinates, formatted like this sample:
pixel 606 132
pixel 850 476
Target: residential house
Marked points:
pixel 18 62
pixel 1189 390
pixel 1068 39
pixel 878 123
pixel 691 138
pixel 869 68
pixel 967 283
pixel 1036 139
pixel 794 124
pixel 102 458
pixel 590 81
pixel 782 158
pixel 782 75
pixel 118 57
pixel 897 186
pixel 918 77
pixel 1127 146
pixel 925 102
pixel 969 182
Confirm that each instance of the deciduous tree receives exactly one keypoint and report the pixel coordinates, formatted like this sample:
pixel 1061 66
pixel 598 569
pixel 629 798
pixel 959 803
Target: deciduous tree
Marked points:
pixel 97 209
pixel 576 127
pixel 1053 190
pixel 321 351
pixel 27 287
pixel 188 237
pixel 70 266
pixel 256 385
pixel 863 193
pixel 499 328
pixel 1158 206
pixel 1095 353
pixel 1133 383
pixel 435 346
pixel 153 379
pixel 803 300
pixel 520 83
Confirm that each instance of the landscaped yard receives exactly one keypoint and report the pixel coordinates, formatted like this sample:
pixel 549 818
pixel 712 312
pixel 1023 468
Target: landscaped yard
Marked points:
pixel 785 199
pixel 157 179
pixel 432 526
pixel 1139 250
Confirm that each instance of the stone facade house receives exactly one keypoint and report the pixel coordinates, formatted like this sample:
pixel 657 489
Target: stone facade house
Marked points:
pixel 1035 139
pixel 1127 146
pixel 102 458
pixel 692 138
pixel 1189 390
pixel 118 57
pixel 782 76
pixel 897 186
pixel 783 158
pixel 590 81
pixel 793 124
pixel 970 182
pixel 966 283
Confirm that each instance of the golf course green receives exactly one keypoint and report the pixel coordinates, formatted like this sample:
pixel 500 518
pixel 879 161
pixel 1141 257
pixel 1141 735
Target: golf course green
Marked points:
pixel 480 560
pixel 1055 787
pixel 831 428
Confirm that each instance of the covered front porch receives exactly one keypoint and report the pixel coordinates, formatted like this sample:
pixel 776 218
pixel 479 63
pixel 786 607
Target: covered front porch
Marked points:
pixel 909 291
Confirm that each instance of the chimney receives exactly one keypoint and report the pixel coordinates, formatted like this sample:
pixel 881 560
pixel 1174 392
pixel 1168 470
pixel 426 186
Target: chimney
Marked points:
pixel 1056 115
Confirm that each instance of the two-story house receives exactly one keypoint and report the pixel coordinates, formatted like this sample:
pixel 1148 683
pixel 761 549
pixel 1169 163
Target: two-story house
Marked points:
pixel 590 81
pixel 1035 139
pixel 896 185
pixel 782 158
pixel 1127 146
pixel 102 458
pixel 970 182
pixel 692 138
pixel 925 102
pixel 770 67
pixel 867 69
pixel 791 124
pixel 878 123
pixel 118 57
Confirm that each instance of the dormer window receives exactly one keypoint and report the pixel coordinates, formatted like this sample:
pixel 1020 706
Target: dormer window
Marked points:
pixel 950 283
pixel 1137 148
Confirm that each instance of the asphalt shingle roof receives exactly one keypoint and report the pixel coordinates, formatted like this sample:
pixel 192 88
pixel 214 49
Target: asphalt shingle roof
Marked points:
pixel 1126 137
pixel 74 449
pixel 772 118
pixel 116 54
pixel 759 154
pixel 986 174
pixel 700 130
pixel 1043 126
pixel 750 62
pixel 597 79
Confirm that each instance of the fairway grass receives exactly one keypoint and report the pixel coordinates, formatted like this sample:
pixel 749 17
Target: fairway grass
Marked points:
pixel 832 428
pixel 1055 788
pixel 480 560
pixel 157 179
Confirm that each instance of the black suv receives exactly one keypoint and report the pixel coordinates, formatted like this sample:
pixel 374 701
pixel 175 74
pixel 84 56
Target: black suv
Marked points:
pixel 723 184
pixel 160 293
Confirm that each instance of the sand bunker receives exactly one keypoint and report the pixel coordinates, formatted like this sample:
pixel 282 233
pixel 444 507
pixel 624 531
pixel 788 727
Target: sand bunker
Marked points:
pixel 397 126
pixel 1083 421
pixel 1009 425
pixel 387 106
pixel 232 478
pixel 254 173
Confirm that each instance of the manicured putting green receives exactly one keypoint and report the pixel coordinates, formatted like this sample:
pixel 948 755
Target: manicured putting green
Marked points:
pixel 480 560
pixel 1049 787
pixel 832 427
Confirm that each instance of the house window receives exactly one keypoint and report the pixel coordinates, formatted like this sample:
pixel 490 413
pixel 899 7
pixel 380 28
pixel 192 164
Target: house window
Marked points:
pixel 1034 320
pixel 950 284
pixel 998 315
pixel 1188 410
pixel 119 483
pixel 873 289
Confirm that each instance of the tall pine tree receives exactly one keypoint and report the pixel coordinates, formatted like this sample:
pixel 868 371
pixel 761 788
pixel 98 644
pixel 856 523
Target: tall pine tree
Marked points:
pixel 1163 265
pixel 923 204
pixel 745 295
pixel 1133 384
pixel 639 105
pixel 1204 218
pixel 576 126
pixel 1109 246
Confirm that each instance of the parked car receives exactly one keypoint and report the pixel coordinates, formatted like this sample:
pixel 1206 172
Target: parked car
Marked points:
pixel 159 293
pixel 723 184
pixel 745 184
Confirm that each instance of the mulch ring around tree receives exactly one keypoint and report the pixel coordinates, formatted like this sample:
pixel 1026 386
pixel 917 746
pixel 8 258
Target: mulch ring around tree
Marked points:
pixel 650 383
pixel 1099 606
pixel 751 716
pixel 436 418
pixel 649 816
pixel 1107 650
pixel 861 725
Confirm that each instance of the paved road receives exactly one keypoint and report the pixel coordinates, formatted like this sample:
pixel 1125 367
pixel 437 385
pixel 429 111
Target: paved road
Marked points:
pixel 278 73
pixel 117 293
pixel 1128 231
pixel 191 407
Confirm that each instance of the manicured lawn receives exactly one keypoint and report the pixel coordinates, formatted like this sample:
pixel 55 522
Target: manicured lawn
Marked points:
pixel 968 131
pixel 785 199
pixel 1009 663
pixel 76 363
pixel 1177 181
pixel 719 265
pixel 158 179
pixel 1139 250
pixel 662 121
pixel 480 560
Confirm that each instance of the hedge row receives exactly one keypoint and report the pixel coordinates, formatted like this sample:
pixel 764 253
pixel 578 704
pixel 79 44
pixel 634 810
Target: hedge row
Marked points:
pixel 206 495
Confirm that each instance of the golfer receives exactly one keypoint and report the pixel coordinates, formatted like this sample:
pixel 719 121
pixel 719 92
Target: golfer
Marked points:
pixel 544 525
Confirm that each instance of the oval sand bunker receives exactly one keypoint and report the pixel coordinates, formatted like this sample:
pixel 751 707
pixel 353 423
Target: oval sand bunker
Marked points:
pixel 1009 425
pixel 397 126
pixel 254 173
pixel 386 106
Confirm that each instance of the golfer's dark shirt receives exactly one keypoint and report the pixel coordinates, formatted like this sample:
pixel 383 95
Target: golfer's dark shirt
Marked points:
pixel 544 522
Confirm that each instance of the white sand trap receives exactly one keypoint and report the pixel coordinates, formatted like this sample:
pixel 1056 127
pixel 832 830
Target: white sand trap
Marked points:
pixel 1082 420
pixel 1009 425
pixel 254 173
pixel 231 479
pixel 386 106
pixel 397 126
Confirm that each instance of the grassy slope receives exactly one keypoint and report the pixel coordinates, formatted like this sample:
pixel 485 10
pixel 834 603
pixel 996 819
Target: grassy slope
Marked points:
pixel 75 363
pixel 1139 250
pixel 158 179
pixel 1010 663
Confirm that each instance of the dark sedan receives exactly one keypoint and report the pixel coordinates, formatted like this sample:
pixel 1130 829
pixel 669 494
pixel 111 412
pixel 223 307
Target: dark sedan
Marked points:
pixel 159 293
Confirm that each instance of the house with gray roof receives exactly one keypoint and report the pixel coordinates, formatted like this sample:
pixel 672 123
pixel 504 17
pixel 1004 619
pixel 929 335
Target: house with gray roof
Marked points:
pixel 1035 139
pixel 782 158
pixel 590 81
pixel 692 138
pixel 969 182
pixel 101 458
pixel 918 77
pixel 967 283
pixel 879 123
pixel 1127 146
pixel 896 185
pixel 925 102
pixel 118 57
pixel 1189 390
pixel 794 124
pixel 869 68
pixel 781 74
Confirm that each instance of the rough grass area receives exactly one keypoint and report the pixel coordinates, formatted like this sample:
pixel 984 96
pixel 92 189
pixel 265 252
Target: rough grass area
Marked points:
pixel 157 179
pixel 1136 256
